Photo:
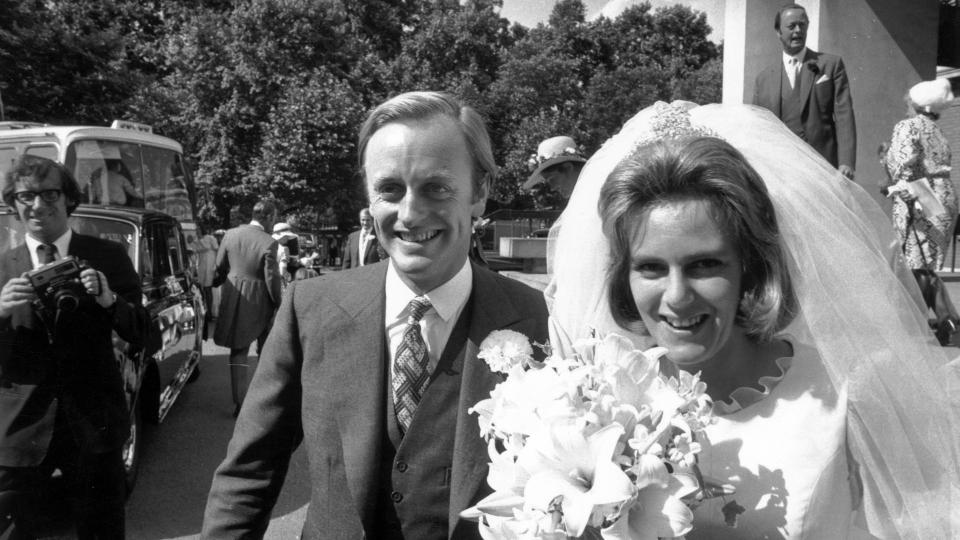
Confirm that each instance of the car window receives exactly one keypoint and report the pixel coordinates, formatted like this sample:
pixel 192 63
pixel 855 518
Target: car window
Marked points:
pixel 121 232
pixel 174 249
pixel 11 232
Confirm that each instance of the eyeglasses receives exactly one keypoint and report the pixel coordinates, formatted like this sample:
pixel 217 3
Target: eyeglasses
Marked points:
pixel 47 196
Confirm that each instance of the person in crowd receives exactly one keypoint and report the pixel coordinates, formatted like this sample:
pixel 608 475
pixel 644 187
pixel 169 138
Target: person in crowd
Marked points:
pixel 918 163
pixel 205 249
pixel 249 280
pixel 809 91
pixel 362 246
pixel 713 232
pixel 64 406
pixel 557 164
pixel 374 369
pixel 288 250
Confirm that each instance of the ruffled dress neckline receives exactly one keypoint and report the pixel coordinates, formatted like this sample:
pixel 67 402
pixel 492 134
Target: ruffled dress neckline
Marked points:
pixel 745 396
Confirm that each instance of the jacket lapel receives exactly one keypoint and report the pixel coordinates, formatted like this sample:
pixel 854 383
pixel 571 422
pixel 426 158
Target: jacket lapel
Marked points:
pixel 20 262
pixel 492 309
pixel 810 70
pixel 360 375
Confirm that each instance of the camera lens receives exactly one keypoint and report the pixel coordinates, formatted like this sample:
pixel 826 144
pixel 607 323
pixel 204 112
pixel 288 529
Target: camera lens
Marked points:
pixel 66 299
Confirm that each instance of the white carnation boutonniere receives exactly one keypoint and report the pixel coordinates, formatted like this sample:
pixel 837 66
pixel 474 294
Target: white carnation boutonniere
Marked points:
pixel 503 350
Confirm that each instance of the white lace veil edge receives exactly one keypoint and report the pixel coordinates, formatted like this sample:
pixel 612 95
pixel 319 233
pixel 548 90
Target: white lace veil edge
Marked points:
pixel 860 308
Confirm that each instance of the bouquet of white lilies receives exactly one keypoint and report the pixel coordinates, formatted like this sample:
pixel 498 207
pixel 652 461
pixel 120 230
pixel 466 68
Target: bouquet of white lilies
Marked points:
pixel 597 445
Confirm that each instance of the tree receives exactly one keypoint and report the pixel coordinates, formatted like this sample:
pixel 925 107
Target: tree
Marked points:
pixel 308 155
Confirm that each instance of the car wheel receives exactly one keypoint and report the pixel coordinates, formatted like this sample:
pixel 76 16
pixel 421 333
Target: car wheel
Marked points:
pixel 131 449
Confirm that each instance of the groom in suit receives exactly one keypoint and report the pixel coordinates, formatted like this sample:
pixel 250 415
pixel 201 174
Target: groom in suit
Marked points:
pixel 810 93
pixel 374 369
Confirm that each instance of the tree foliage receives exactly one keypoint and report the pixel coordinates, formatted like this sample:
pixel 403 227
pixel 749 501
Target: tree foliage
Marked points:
pixel 267 95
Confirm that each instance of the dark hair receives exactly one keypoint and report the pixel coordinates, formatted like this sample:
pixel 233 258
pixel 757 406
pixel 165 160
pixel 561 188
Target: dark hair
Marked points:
pixel 425 105
pixel 708 169
pixel 776 18
pixel 30 166
pixel 264 211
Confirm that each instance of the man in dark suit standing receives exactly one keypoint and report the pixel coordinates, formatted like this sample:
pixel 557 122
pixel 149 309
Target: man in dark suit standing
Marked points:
pixel 249 278
pixel 810 92
pixel 63 402
pixel 374 369
pixel 362 246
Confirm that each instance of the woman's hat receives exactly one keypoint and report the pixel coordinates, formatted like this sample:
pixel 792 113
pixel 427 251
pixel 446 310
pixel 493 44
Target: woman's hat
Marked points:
pixel 932 95
pixel 549 153
pixel 281 227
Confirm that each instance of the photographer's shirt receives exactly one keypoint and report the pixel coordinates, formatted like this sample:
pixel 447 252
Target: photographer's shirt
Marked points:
pixel 61 243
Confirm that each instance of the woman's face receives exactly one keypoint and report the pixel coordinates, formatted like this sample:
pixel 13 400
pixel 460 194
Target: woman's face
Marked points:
pixel 685 278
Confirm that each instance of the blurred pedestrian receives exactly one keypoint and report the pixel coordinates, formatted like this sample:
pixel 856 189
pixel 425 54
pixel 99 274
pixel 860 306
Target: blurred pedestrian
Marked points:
pixel 918 162
pixel 557 164
pixel 250 278
pixel 205 249
pixel 362 246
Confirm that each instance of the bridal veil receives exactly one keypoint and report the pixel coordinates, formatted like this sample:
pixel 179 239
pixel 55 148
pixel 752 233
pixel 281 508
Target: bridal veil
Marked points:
pixel 859 307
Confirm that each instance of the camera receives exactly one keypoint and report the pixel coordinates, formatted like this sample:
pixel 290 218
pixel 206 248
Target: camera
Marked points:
pixel 58 284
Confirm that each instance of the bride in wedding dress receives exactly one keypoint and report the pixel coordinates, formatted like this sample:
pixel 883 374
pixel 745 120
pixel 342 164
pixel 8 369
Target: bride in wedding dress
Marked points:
pixel 715 232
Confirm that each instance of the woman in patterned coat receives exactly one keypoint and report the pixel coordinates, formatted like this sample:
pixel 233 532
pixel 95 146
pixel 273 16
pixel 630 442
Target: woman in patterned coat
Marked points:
pixel 919 152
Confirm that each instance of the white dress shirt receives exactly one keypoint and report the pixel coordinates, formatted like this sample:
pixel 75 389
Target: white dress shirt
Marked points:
pixel 362 246
pixel 62 244
pixel 437 324
pixel 791 64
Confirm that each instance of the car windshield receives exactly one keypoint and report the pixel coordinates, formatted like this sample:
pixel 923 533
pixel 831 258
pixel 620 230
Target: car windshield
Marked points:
pixel 122 232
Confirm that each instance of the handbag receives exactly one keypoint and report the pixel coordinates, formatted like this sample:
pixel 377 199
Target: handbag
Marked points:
pixel 946 322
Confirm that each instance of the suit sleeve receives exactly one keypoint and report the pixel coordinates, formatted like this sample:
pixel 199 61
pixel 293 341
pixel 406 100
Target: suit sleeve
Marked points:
pixel 843 118
pixel 246 485
pixel 130 318
pixel 222 266
pixel 271 274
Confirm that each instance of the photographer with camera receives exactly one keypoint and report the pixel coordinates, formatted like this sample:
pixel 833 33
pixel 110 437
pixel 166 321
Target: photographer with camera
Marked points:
pixel 63 405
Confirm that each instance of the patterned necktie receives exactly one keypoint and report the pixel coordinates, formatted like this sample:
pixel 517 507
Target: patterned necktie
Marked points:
pixel 47 253
pixel 410 373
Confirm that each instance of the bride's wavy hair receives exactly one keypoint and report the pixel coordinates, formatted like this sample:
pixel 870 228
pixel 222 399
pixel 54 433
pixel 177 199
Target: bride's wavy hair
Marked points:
pixel 709 169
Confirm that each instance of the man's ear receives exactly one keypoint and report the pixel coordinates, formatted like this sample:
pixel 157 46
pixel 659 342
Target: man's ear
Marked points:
pixel 480 198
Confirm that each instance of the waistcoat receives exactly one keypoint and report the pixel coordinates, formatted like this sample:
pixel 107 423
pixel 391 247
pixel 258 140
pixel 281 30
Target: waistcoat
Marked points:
pixel 791 108
pixel 415 469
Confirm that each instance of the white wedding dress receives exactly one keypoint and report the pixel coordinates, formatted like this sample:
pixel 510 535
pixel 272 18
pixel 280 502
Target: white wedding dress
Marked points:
pixel 860 436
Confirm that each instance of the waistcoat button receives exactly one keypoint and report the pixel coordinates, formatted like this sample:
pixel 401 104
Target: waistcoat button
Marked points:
pixel 396 496
pixel 402 466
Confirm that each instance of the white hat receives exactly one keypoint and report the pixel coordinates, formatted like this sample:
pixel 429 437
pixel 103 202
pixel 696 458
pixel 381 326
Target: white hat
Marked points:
pixel 931 95
pixel 549 153
pixel 280 227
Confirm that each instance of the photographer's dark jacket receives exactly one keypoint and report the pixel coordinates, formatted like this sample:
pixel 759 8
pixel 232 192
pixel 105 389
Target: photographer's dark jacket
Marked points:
pixel 75 374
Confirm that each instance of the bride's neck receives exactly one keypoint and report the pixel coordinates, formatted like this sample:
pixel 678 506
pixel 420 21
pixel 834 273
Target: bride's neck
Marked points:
pixel 740 363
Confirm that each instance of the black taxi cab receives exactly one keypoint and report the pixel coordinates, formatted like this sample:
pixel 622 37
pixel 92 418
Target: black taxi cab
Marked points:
pixel 156 244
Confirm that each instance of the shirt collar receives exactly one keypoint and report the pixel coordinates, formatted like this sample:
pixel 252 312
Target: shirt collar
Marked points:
pixel 255 223
pixel 446 299
pixel 62 243
pixel 799 56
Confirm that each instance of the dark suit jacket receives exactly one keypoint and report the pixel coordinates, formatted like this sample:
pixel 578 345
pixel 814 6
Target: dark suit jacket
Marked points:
pixel 78 370
pixel 827 116
pixel 322 378
pixel 351 256
pixel 249 278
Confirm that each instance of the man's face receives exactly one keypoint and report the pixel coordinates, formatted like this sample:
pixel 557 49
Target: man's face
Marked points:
pixel 45 221
pixel 793 30
pixel 366 221
pixel 419 182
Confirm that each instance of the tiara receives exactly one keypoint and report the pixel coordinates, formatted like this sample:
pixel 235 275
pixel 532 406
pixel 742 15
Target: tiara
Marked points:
pixel 672 121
